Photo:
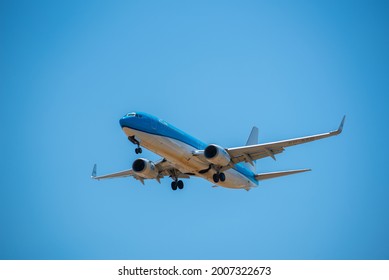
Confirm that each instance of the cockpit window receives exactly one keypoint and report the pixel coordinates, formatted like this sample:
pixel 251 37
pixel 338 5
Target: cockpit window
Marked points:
pixel 135 115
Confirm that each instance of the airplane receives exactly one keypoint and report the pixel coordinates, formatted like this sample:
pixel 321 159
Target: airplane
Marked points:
pixel 184 156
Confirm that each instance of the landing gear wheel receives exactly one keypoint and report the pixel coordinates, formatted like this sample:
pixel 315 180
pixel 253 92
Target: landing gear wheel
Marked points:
pixel 222 177
pixel 136 142
pixel 180 185
pixel 216 178
pixel 174 185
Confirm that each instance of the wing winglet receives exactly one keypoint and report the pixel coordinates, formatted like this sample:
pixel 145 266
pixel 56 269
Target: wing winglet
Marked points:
pixel 340 129
pixel 94 171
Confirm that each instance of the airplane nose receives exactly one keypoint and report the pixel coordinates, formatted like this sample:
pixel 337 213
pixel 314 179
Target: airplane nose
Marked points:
pixel 122 121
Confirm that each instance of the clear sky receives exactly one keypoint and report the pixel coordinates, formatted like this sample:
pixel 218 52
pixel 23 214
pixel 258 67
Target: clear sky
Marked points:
pixel 71 69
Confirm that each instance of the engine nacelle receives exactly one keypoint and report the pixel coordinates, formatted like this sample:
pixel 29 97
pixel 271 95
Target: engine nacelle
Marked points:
pixel 217 155
pixel 145 168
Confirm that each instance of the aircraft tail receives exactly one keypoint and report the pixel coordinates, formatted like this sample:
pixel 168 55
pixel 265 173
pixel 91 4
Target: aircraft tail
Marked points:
pixel 271 175
pixel 252 140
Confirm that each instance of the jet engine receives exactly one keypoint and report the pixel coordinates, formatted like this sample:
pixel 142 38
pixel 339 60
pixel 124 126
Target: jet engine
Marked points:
pixel 145 168
pixel 217 155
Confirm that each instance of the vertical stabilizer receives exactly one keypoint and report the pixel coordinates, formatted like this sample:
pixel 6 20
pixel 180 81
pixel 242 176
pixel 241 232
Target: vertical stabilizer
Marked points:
pixel 252 140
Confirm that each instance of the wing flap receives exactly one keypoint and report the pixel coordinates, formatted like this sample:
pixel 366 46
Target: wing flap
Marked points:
pixel 254 153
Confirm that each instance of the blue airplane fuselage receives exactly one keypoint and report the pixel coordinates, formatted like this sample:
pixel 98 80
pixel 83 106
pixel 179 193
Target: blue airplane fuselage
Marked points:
pixel 179 148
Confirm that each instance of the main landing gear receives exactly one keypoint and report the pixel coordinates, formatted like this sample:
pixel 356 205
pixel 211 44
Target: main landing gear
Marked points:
pixel 219 177
pixel 177 184
pixel 136 142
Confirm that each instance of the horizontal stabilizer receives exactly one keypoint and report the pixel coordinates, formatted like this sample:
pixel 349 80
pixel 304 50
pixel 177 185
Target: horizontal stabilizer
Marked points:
pixel 270 175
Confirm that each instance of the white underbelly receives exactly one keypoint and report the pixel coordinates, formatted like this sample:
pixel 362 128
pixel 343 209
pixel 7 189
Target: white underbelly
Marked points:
pixel 180 155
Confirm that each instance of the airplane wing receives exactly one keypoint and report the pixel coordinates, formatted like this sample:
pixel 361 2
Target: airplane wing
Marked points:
pixel 124 173
pixel 164 168
pixel 254 152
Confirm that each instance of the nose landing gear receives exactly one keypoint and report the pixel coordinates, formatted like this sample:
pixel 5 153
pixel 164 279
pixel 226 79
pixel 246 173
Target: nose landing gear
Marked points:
pixel 136 142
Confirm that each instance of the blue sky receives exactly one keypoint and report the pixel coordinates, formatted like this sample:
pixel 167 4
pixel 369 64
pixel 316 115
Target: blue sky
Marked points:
pixel 214 69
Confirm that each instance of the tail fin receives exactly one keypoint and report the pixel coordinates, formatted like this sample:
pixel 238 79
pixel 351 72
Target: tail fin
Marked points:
pixel 252 140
